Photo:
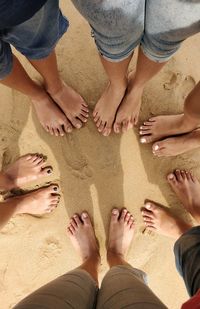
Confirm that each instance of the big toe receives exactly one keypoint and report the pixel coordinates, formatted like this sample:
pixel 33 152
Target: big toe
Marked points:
pixel 172 179
pixel 146 139
pixel 85 218
pixel 115 215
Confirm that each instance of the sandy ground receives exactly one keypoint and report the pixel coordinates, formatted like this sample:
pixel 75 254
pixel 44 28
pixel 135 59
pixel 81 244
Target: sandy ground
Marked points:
pixel 95 173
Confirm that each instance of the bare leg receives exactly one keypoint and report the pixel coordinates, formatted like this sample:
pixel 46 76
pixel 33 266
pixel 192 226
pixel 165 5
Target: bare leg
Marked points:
pixel 49 115
pixel 174 146
pixel 106 108
pixel 27 168
pixel 82 236
pixel 128 113
pixel 41 201
pixel 70 102
pixel 120 237
pixel 161 126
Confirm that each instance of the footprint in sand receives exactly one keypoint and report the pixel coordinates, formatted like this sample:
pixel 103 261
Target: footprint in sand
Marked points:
pixel 187 85
pixel 76 161
pixel 174 80
pixel 51 248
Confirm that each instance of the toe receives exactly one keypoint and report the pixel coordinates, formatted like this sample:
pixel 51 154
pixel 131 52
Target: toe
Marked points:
pixel 147 213
pixel 150 206
pixel 144 132
pixel 183 174
pixel 156 148
pixel 76 123
pixel 61 130
pixel 106 131
pixel 83 118
pixel 77 219
pixel 73 223
pixel 148 220
pixel 131 221
pixel 47 171
pixel 123 214
pixel 146 139
pixel 178 175
pixel 127 217
pixel 69 233
pixel 115 214
pixel 85 218
pixel 101 126
pixel 67 126
pixel 117 127
pixel 98 123
pixel 125 125
pixel 53 188
pixel 172 179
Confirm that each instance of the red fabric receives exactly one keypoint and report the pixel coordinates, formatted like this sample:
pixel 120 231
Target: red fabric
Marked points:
pixel 193 303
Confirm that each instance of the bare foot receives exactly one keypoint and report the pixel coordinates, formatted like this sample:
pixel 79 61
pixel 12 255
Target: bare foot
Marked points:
pixel 128 112
pixel 82 236
pixel 159 219
pixel 106 108
pixel 121 232
pixel 41 201
pixel 72 104
pixel 187 189
pixel 174 146
pixel 27 168
pixel 50 116
pixel 161 126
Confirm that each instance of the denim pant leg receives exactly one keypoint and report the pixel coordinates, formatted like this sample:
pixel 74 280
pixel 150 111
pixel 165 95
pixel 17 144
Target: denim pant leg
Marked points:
pixel 167 24
pixel 75 289
pixel 117 26
pixel 35 38
pixel 187 257
pixel 125 287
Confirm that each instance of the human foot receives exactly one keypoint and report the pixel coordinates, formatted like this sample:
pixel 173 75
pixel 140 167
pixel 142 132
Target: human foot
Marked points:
pixel 128 112
pixel 159 219
pixel 71 103
pixel 82 236
pixel 161 126
pixel 41 201
pixel 174 146
pixel 187 189
pixel 121 232
pixel 50 116
pixel 106 108
pixel 27 168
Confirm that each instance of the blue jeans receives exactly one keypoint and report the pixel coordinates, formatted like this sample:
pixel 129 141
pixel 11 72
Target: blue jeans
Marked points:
pixel 159 26
pixel 35 38
pixel 187 256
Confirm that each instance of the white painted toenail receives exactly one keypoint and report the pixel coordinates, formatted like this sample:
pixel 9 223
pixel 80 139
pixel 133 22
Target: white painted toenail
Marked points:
pixel 171 176
pixel 143 140
pixel 114 211
pixel 85 215
pixel 156 147
pixel 148 205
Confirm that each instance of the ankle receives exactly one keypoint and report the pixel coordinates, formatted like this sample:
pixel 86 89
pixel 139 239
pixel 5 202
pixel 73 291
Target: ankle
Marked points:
pixel 119 84
pixel 54 87
pixel 6 182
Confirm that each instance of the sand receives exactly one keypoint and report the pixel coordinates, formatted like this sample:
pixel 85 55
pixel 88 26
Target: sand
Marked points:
pixel 95 173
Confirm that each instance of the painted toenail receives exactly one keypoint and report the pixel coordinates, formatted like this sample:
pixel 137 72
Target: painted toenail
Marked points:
pixel 148 205
pixel 143 140
pixel 156 147
pixel 85 215
pixel 171 176
pixel 114 211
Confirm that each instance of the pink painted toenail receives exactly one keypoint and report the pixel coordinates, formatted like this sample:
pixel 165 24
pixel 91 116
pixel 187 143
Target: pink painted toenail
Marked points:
pixel 171 176
pixel 143 140
pixel 156 147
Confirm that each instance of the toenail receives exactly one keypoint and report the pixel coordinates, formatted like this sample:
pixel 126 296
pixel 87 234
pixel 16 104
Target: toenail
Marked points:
pixel 143 140
pixel 78 126
pixel 156 147
pixel 124 210
pixel 114 211
pixel 171 176
pixel 148 205
pixel 49 171
pixel 85 215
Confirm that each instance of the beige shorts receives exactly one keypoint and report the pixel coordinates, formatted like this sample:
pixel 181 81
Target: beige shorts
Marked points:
pixel 122 287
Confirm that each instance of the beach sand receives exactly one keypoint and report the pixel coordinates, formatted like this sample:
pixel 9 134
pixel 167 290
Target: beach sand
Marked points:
pixel 95 173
